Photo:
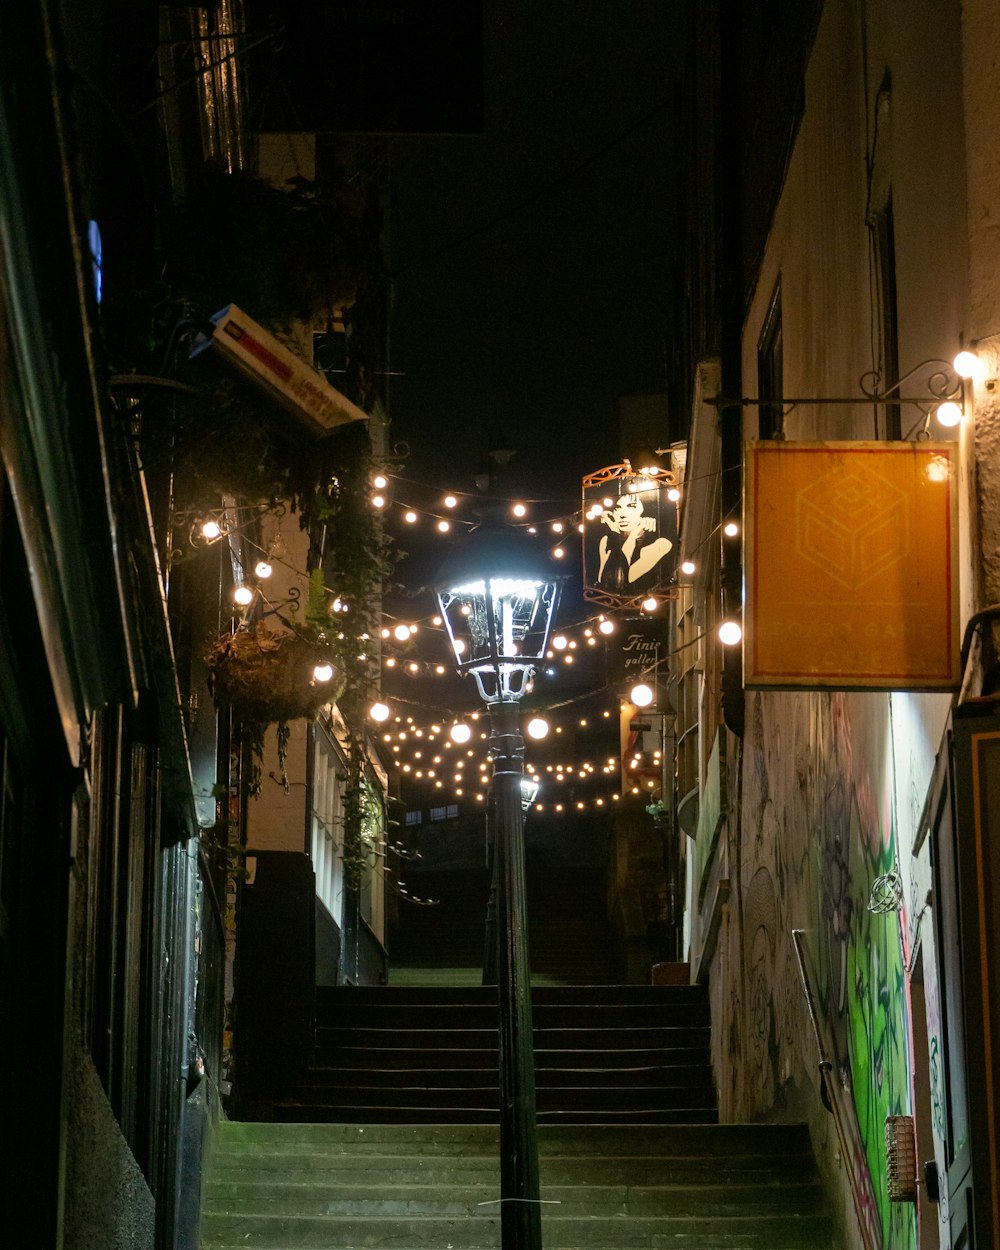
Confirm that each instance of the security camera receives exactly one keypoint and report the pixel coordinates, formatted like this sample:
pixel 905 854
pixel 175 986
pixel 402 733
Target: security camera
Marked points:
pixel 237 342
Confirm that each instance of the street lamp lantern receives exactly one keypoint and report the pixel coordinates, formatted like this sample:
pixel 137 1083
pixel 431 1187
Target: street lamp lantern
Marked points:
pixel 497 595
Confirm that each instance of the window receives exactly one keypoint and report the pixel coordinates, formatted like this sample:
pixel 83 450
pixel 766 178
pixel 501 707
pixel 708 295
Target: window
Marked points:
pixel 414 818
pixel 445 813
pixel 770 376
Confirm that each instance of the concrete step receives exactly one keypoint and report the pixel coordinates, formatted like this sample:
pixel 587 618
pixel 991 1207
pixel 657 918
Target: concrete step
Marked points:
pixel 592 1097
pixel 416 1187
pixel 729 1141
pixel 419 1169
pixel 593 1017
pixel 670 1037
pixel 481 1231
pixel 584 1201
pixel 425 1070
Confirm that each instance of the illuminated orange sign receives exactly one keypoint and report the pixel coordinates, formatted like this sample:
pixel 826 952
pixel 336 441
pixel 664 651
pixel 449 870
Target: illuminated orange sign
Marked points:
pixel 851 565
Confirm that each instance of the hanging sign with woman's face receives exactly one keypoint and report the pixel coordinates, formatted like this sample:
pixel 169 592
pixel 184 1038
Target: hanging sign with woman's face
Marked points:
pixel 629 536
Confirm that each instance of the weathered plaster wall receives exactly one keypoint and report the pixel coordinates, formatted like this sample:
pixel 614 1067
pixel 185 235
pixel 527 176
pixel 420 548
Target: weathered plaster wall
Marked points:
pixel 981 85
pixel 828 784
pixel 108 1203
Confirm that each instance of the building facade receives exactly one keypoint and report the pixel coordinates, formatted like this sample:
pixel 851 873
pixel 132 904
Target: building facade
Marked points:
pixel 840 882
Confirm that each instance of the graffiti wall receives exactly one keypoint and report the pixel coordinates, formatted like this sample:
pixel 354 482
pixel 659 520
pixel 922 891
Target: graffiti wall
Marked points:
pixel 818 825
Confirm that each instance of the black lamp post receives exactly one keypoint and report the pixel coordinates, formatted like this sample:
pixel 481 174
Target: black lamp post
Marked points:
pixel 498 597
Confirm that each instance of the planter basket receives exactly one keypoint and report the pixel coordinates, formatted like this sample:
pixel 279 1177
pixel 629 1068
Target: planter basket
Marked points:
pixel 267 676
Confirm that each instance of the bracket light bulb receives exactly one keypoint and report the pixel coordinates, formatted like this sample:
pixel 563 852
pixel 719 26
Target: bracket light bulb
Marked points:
pixel 211 530
pixel 967 365
pixel 949 414
pixel 730 633
pixel 641 695
pixel 537 728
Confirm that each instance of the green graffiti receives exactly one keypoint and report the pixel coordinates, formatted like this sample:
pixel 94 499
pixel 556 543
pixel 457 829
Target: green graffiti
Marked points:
pixel 877 1033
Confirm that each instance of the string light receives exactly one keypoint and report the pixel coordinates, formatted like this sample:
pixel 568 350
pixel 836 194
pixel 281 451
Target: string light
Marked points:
pixel 243 596
pixel 263 570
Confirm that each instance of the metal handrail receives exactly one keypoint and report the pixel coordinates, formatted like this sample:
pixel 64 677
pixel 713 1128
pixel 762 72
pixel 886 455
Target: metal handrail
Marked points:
pixel 826 1067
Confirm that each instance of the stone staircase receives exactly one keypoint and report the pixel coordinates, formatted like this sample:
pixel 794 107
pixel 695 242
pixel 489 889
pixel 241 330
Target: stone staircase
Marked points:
pixel 435 1187
pixel 569 938
pixel 604 1054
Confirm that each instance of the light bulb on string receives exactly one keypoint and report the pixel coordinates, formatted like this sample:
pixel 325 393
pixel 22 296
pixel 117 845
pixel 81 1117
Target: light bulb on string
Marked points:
pixel 688 567
pixel 379 711
pixel 323 672
pixel 263 570
pixel 243 596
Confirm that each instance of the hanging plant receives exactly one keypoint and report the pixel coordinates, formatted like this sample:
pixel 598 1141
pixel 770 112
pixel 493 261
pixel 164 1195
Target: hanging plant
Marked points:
pixel 267 676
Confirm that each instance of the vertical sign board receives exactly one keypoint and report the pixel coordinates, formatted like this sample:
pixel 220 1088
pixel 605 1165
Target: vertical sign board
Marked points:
pixel 635 652
pixel 629 536
pixel 851 566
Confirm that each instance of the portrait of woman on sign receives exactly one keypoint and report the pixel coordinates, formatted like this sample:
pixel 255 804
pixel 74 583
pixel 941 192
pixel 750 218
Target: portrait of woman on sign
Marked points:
pixel 630 543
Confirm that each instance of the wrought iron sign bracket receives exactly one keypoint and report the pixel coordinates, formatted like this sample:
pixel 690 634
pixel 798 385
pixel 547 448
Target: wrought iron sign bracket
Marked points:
pixel 943 386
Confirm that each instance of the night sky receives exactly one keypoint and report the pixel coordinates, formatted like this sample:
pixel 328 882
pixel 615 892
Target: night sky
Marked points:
pixel 532 291
pixel 527 332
